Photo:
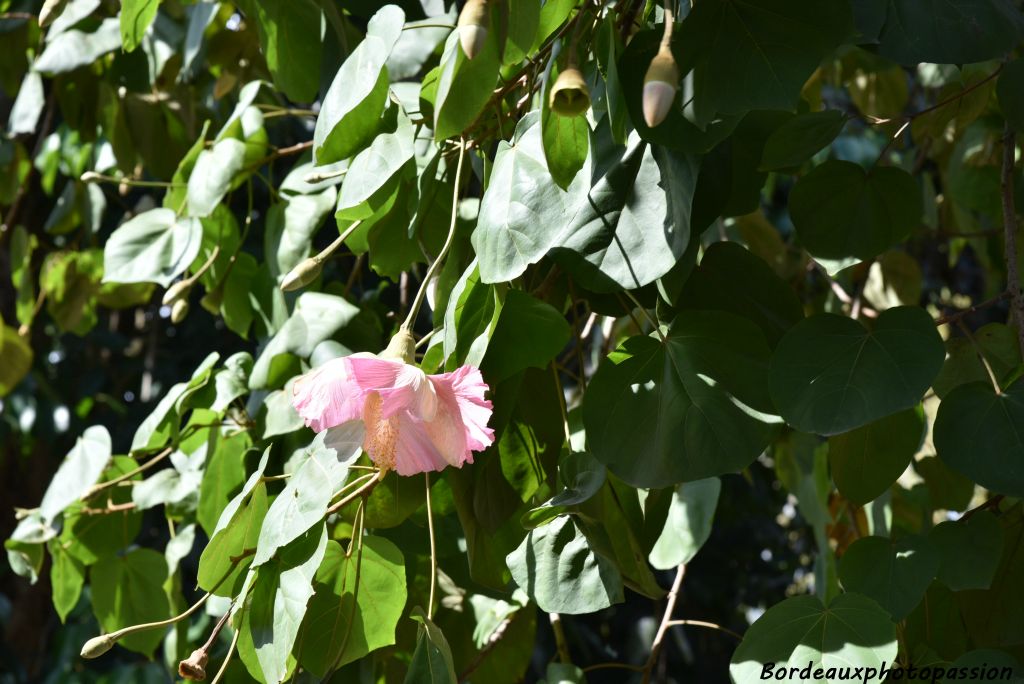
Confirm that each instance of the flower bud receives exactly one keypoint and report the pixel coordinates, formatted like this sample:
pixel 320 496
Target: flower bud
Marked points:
pixel 472 27
pixel 660 85
pixel 50 11
pixel 302 275
pixel 178 290
pixel 194 668
pixel 97 646
pixel 402 347
pixel 90 177
pixel 179 310
pixel 569 95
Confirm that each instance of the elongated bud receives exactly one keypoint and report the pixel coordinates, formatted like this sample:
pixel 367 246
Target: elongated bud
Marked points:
pixel 178 290
pixel 90 177
pixel 472 27
pixel 660 85
pixel 97 646
pixel 50 11
pixel 402 347
pixel 569 95
pixel 302 275
pixel 194 668
pixel 179 310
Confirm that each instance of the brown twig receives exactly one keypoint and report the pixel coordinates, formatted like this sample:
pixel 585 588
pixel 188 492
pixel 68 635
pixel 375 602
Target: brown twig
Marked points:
pixel 990 503
pixel 561 644
pixel 670 605
pixel 1010 234
pixel 709 625
pixel 953 317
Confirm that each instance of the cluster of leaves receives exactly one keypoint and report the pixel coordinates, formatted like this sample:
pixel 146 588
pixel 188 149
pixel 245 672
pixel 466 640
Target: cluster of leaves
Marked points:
pixel 769 275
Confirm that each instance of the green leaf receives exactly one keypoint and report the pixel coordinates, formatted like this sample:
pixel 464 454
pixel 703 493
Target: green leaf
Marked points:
pixel 235 534
pixel 757 54
pixel 470 319
pixel 136 16
pixel 92 537
pixel 800 138
pixel 231 382
pixel 566 140
pixel 432 661
pixel 523 22
pixel 1009 90
pixel 731 278
pixel 969 550
pixel 977 667
pixel 280 594
pixel 841 210
pixel 556 567
pixel 304 500
pixel 582 477
pixel 80 470
pixel 688 524
pixel 563 673
pixel 351 109
pixel 830 374
pixel 223 477
pixel 947 489
pixel 23 245
pixel 67 575
pixel 163 423
pixel 371 175
pixel 977 433
pixel 153 247
pixel 634 223
pixel 279 415
pixel 868 460
pixel 529 334
pixel 464 85
pixel 17 357
pixel 693 407
pixel 515 226
pixel 896 574
pixel 73 49
pixel 852 630
pixel 291 43
pixel 28 106
pixel 128 590
pixel 24 558
pixel 998 342
pixel 948 31
pixel 358 602
pixel 213 173
pixel 316 317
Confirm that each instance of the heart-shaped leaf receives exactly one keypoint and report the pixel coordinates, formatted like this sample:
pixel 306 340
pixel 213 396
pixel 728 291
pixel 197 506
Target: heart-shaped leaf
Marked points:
pixel 896 574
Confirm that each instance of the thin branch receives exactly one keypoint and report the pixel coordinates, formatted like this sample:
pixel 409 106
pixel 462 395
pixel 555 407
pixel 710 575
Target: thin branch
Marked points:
pixel 1010 237
pixel 561 644
pixel 702 623
pixel 953 317
pixel 670 605
pixel 433 549
pixel 615 666
pixel 981 355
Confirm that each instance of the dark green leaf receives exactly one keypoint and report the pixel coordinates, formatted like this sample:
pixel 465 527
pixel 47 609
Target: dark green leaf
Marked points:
pixel 800 138
pixel 693 407
pixel 893 573
pixel 529 334
pixel 868 460
pixel 556 567
pixel 830 375
pixel 977 432
pixel 464 85
pixel 839 210
pixel 853 629
pixel 969 551
pixel 432 660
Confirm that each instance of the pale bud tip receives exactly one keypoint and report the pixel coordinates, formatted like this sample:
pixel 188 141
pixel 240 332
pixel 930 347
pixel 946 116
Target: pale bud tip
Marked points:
pixel 97 646
pixel 178 290
pixel 472 39
pixel 657 100
pixel 179 310
pixel 302 275
pixel 90 177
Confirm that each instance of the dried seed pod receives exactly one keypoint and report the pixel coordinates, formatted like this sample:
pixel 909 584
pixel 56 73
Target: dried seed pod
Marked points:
pixel 302 275
pixel 178 290
pixel 97 646
pixel 660 85
pixel 569 95
pixel 472 27
pixel 179 310
pixel 194 668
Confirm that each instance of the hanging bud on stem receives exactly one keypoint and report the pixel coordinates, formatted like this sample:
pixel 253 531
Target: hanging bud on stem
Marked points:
pixel 194 668
pixel 302 275
pixel 662 79
pixel 472 26
pixel 97 646
pixel 569 95
pixel 177 291
pixel 179 310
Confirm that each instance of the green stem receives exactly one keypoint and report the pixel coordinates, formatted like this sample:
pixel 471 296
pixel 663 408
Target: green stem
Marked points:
pixel 421 293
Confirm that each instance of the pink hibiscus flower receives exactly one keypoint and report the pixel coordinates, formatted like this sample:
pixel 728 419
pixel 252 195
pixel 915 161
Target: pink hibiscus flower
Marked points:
pixel 414 422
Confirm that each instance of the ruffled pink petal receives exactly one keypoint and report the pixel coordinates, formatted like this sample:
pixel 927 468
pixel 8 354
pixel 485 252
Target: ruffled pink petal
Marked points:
pixel 462 391
pixel 414 450
pixel 327 396
pixel 402 386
